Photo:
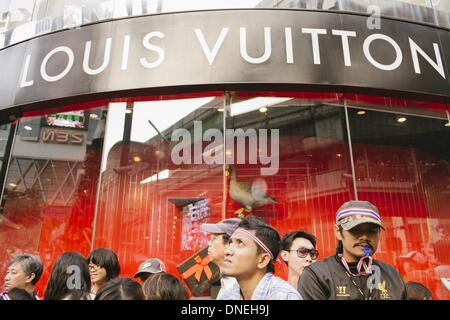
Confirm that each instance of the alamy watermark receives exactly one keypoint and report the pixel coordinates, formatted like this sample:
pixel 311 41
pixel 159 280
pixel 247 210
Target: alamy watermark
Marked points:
pixel 259 143
pixel 374 21
pixel 74 280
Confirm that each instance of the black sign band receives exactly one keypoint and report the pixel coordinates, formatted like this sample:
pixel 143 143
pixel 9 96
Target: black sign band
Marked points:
pixel 227 47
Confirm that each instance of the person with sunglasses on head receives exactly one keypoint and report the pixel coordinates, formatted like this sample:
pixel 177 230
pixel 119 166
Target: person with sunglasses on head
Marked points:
pixel 253 248
pixel 353 273
pixel 298 250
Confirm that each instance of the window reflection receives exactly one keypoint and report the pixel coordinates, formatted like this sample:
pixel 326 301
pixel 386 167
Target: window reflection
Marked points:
pixel 149 173
pixel 159 205
pixel 403 167
pixel 314 176
pixel 49 196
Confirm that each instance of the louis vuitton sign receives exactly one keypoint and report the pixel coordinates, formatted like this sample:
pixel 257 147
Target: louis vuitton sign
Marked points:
pixel 227 47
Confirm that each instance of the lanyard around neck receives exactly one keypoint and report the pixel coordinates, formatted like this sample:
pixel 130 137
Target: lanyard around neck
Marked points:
pixel 363 267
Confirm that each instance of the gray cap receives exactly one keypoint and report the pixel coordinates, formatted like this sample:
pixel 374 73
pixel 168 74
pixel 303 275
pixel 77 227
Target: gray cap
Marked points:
pixel 153 265
pixel 353 213
pixel 227 226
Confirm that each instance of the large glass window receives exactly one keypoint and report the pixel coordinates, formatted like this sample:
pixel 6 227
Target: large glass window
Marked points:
pixel 141 176
pixel 307 175
pixel 156 187
pixel 50 190
pixel 402 164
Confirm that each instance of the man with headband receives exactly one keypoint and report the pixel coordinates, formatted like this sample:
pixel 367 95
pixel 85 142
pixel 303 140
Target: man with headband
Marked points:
pixel 353 274
pixel 253 248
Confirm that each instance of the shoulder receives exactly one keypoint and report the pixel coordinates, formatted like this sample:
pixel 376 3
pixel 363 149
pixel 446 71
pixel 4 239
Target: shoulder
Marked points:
pixel 282 290
pixel 229 292
pixel 228 281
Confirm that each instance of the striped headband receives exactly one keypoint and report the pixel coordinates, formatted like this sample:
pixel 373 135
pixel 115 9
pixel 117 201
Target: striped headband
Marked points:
pixel 357 211
pixel 257 240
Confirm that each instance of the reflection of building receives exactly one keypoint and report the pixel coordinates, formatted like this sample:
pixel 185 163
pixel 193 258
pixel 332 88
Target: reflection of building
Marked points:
pixel 100 170
pixel 49 157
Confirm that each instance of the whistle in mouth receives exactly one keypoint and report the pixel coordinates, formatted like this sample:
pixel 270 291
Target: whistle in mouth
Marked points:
pixel 367 251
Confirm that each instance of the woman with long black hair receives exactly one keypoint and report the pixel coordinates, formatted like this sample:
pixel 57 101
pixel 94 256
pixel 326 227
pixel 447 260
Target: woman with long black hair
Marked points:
pixel 69 278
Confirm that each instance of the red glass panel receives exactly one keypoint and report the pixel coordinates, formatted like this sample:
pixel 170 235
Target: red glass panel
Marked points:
pixel 49 200
pixel 401 168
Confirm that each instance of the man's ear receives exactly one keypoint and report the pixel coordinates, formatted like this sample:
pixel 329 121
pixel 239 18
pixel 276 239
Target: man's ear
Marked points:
pixel 337 233
pixel 29 278
pixel 263 260
pixel 284 255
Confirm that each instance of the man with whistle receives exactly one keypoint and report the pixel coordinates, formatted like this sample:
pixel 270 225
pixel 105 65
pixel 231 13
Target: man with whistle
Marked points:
pixel 352 273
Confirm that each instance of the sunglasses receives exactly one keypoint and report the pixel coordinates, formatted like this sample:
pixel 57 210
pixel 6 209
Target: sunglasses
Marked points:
pixel 302 252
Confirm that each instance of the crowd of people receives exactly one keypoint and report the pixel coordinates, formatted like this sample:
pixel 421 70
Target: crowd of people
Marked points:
pixel 244 251
pixel 97 277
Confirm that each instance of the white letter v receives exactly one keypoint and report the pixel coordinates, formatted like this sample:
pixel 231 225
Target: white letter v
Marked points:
pixel 211 55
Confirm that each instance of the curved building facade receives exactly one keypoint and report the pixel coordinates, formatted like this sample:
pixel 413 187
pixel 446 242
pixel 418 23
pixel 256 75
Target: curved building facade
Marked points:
pixel 120 120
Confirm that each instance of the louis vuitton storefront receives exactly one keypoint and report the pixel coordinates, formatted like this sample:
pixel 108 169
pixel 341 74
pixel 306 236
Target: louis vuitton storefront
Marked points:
pixel 118 133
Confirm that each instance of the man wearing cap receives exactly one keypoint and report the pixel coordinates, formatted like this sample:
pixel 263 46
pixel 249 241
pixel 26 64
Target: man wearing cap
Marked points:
pixel 353 274
pixel 149 267
pixel 254 246
pixel 218 243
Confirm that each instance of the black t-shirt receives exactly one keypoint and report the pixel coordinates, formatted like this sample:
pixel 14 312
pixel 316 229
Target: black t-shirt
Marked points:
pixel 329 280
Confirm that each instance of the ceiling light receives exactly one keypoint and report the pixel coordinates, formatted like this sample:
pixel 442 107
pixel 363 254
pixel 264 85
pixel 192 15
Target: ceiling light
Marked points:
pixel 12 185
pixel 28 128
pixel 137 159
pixel 220 109
pixel 447 124
pixel 263 109
pixel 164 174
pixel 255 104
pixel 401 119
pixel 361 113
pixel 93 116
pixel 128 111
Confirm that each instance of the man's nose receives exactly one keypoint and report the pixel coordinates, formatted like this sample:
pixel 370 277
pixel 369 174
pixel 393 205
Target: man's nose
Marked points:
pixel 228 251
